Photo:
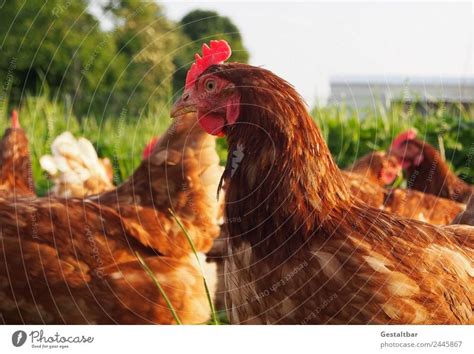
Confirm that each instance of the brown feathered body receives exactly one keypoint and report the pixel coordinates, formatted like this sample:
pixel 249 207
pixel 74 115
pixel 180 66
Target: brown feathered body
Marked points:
pixel 408 203
pixel 181 174
pixel 303 250
pixel 16 178
pixel 433 175
pixel 73 261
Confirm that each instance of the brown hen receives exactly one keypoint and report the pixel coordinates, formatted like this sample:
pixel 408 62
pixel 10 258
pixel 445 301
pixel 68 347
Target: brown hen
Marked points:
pixel 305 251
pixel 73 261
pixel 377 167
pixel 404 202
pixel 16 178
pixel 426 170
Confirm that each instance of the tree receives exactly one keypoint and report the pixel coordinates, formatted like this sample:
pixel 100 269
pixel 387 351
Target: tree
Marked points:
pixel 59 48
pixel 146 42
pixel 46 46
pixel 201 26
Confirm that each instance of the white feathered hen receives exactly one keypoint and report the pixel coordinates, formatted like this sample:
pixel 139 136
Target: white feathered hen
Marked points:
pixel 75 168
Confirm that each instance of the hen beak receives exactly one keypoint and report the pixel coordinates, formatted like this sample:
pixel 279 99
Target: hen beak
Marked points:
pixel 184 105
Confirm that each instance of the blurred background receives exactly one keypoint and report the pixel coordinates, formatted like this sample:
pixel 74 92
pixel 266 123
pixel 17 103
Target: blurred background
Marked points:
pixel 110 69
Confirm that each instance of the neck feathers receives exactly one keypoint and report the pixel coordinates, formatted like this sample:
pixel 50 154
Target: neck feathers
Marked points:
pixel 285 165
pixel 183 168
pixel 433 174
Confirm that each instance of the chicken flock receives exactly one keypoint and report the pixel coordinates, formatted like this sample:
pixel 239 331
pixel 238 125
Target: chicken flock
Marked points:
pixel 301 241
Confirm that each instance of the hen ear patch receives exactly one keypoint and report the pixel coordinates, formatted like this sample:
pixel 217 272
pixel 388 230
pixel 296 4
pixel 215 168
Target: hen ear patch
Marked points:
pixel 233 109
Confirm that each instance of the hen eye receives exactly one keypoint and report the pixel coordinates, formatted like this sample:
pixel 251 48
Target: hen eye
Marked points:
pixel 210 85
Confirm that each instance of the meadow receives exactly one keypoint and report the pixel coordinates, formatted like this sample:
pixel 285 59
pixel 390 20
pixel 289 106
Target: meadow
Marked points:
pixel 349 133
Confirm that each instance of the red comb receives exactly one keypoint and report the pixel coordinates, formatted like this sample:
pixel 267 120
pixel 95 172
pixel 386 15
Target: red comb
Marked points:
pixel 410 134
pixel 15 121
pixel 149 148
pixel 217 53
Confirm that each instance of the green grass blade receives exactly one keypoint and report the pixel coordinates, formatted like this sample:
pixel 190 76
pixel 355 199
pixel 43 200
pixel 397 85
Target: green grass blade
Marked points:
pixel 441 147
pixel 157 283
pixel 214 316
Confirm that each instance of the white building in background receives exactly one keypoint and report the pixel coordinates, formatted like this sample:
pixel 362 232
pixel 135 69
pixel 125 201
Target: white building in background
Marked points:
pixel 362 92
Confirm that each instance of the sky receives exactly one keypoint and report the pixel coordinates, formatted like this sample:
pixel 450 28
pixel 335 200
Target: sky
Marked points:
pixel 309 42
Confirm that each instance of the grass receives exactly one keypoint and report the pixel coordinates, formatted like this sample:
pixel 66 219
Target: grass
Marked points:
pixel 121 139
pixel 350 134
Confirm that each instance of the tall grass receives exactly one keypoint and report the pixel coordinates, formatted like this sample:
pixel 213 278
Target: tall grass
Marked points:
pixel 349 134
pixel 121 139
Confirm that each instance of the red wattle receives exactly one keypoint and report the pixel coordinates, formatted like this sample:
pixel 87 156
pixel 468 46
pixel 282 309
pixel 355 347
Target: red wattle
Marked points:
pixel 212 124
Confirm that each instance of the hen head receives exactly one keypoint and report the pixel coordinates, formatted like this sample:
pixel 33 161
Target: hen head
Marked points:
pixel 15 137
pixel 215 98
pixel 385 168
pixel 224 94
pixel 390 169
pixel 408 149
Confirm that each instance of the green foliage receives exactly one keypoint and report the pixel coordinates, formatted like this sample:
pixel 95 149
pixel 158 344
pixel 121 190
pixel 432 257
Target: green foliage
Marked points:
pixel 146 42
pixel 59 45
pixel 58 48
pixel 201 26
pixel 50 43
